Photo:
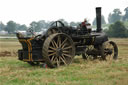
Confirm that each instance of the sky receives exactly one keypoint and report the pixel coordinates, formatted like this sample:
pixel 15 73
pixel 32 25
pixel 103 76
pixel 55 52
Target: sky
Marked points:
pixel 26 11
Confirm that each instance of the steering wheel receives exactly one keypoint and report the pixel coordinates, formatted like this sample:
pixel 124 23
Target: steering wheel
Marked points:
pixel 62 24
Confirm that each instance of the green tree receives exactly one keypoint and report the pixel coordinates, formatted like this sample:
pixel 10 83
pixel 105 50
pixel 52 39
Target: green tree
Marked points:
pixel 22 27
pixel 115 16
pixel 37 26
pixel 102 20
pixel 33 26
pixel 73 24
pixel 2 26
pixel 11 27
pixel 117 29
pixel 125 17
pixel 42 24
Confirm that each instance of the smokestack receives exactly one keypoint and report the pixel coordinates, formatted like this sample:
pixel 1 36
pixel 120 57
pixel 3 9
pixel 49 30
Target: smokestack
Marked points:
pixel 98 19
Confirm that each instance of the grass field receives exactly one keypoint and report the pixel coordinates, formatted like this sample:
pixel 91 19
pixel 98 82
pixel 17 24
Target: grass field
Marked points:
pixel 80 72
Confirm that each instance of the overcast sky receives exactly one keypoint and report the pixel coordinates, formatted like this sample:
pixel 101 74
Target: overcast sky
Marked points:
pixel 26 11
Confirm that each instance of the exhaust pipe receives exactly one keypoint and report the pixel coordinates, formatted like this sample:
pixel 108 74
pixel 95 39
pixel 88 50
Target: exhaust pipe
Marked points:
pixel 98 19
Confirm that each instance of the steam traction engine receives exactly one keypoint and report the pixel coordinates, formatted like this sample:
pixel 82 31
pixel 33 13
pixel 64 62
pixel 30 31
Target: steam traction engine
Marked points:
pixel 61 43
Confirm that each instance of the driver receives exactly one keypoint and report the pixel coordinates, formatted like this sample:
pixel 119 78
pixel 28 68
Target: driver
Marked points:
pixel 83 24
pixel 86 26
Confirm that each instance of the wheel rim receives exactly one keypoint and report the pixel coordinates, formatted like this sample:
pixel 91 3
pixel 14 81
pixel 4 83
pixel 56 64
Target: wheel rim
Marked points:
pixel 59 50
pixel 110 50
pixel 53 30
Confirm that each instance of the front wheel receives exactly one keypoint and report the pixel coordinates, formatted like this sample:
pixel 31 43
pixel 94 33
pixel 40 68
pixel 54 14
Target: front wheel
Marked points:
pixel 85 55
pixel 109 51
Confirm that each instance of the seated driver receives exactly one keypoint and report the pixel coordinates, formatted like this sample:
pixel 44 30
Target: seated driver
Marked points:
pixel 86 26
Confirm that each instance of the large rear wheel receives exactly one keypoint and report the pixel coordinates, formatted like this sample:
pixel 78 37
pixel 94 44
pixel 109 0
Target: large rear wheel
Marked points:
pixel 58 49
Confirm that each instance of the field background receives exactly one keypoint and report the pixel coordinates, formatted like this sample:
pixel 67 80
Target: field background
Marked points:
pixel 80 72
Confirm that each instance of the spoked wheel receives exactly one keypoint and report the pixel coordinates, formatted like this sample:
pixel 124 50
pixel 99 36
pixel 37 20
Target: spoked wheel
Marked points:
pixel 110 51
pixel 85 55
pixel 58 49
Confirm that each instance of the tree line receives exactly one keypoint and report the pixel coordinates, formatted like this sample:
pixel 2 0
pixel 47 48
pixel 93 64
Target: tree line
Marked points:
pixel 115 19
pixel 115 15
pixel 12 26
pixel 117 29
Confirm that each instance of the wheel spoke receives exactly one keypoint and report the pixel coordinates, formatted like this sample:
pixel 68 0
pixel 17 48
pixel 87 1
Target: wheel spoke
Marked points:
pixel 59 41
pixel 109 57
pixel 64 45
pixel 67 55
pixel 52 54
pixel 63 60
pixel 66 51
pixel 55 43
pixel 52 58
pixel 58 62
pixel 69 47
pixel 64 42
pixel 52 48
pixel 109 45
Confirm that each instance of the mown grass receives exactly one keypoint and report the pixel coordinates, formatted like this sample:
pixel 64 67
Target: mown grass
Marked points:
pixel 80 72
pixel 10 45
